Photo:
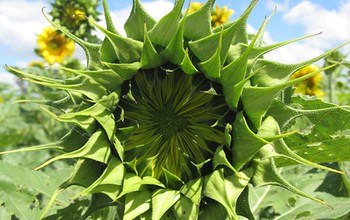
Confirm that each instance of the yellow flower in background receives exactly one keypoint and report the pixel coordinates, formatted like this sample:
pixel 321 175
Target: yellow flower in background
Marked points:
pixel 54 46
pixel 218 16
pixel 1 100
pixel 73 14
pixel 310 85
pixel 194 7
pixel 37 64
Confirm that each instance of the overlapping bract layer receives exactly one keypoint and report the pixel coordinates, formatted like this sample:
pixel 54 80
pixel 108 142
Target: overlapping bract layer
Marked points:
pixel 251 141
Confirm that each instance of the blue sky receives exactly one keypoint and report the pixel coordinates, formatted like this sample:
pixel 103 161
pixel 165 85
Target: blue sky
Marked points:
pixel 21 21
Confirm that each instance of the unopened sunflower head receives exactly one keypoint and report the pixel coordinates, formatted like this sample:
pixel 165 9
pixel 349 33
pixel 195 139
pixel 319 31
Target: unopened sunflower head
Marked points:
pixel 54 46
pixel 177 115
pixel 308 86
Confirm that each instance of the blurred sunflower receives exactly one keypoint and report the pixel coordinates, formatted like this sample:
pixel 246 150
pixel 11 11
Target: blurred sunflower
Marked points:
pixel 54 46
pixel 69 13
pixel 310 85
pixel 37 64
pixel 218 17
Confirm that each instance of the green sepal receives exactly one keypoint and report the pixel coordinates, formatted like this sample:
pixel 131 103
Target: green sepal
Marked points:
pixel 85 122
pixel 163 199
pixel 266 173
pixel 185 209
pixel 187 66
pixel 70 142
pixel 107 78
pixel 125 70
pixel 174 51
pixel 220 159
pixel 109 22
pixel 228 137
pixel 245 143
pixel 150 57
pixel 215 187
pixel 172 181
pixel 241 35
pixel 213 210
pixel 132 164
pixel 233 93
pixel 163 32
pixel 108 183
pixel 106 120
pixel 276 73
pixel 198 23
pixel 211 68
pixel 232 75
pixel 256 100
pixel 236 183
pixel 79 84
pixel 85 172
pixel 134 26
pixel 43 78
pixel 259 36
pixel 201 165
pixel 131 183
pixel 242 205
pixel 97 201
pixel 108 55
pixel 193 190
pixel 206 47
pixel 137 203
pixel 235 72
pixel 96 148
pixel 66 104
pixel 92 51
pixel 126 49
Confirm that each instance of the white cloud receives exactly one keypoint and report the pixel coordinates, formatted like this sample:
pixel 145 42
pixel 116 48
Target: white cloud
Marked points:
pixel 20 21
pixel 291 53
pixel 9 78
pixel 294 53
pixel 334 24
pixel 271 4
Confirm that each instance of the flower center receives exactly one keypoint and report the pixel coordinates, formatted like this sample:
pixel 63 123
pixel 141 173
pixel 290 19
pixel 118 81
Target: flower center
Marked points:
pixel 174 114
pixel 54 46
pixel 167 122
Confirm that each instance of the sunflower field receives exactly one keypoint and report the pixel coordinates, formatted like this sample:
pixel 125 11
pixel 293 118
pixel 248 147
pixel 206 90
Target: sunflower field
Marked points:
pixel 182 118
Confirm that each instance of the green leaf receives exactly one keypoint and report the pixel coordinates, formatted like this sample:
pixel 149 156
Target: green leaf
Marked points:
pixel 328 137
pixel 289 206
pixel 193 190
pixel 185 209
pixel 9 139
pixel 163 199
pixel 215 188
pixel 20 188
pixel 137 203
